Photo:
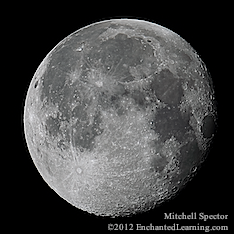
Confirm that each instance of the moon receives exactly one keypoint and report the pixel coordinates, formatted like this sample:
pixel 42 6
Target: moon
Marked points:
pixel 119 116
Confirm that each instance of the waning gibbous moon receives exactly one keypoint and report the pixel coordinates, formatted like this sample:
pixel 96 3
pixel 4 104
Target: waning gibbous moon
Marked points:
pixel 119 115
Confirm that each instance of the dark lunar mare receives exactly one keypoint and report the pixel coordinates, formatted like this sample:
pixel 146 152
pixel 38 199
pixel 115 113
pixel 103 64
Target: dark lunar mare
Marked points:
pixel 84 138
pixel 208 127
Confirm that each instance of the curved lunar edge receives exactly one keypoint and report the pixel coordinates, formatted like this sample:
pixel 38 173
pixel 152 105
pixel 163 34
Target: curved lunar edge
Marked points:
pixel 119 116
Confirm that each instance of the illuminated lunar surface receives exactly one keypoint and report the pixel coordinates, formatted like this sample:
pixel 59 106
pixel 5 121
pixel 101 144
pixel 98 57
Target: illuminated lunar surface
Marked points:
pixel 119 115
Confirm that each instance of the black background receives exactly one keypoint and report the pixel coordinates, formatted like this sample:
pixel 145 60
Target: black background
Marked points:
pixel 38 206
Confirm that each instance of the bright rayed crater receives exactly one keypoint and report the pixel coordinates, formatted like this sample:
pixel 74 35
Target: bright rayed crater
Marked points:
pixel 119 116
